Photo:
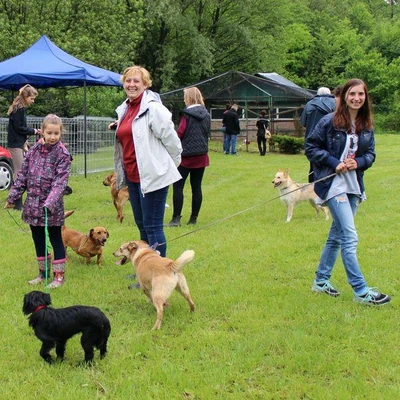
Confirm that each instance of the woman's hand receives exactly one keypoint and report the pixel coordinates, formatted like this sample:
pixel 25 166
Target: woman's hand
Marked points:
pixel 113 126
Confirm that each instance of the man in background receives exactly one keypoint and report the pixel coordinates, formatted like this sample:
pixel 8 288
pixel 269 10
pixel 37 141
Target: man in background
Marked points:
pixel 231 123
pixel 320 105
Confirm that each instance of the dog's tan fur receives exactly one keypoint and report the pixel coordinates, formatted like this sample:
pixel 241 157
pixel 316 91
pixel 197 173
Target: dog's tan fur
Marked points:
pixel 158 276
pixel 87 246
pixel 292 193
pixel 119 197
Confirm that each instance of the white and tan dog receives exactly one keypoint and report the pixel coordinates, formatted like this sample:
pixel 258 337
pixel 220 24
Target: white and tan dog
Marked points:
pixel 292 193
pixel 158 276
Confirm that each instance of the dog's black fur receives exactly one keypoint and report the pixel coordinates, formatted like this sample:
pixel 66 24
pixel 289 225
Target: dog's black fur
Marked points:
pixel 55 326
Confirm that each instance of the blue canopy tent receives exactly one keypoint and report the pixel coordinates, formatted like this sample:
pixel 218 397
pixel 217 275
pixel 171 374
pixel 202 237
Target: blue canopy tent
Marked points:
pixel 44 65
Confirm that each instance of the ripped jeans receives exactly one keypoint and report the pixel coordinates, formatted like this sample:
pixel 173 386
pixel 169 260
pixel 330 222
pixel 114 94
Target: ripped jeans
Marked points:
pixel 342 236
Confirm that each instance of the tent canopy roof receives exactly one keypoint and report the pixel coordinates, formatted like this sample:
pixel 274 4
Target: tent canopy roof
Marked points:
pixel 234 86
pixel 45 65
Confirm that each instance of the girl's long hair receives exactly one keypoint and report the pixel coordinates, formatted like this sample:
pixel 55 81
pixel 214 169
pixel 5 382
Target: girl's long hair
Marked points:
pixel 341 118
pixel 20 101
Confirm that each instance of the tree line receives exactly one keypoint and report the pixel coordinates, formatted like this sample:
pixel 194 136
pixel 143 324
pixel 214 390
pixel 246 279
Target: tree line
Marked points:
pixel 311 42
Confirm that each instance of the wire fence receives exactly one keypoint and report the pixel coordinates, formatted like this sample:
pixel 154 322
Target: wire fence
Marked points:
pixel 99 142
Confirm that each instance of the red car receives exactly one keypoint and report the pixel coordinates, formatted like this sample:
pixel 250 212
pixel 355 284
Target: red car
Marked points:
pixel 6 169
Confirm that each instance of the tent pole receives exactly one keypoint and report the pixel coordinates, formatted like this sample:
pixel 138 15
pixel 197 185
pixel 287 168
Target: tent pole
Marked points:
pixel 84 128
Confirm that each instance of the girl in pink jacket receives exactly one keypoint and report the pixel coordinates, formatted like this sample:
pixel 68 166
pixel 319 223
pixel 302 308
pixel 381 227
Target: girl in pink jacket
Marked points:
pixel 44 176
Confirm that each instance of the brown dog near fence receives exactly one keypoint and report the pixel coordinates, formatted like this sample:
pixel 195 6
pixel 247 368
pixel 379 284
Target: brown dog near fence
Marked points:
pixel 119 197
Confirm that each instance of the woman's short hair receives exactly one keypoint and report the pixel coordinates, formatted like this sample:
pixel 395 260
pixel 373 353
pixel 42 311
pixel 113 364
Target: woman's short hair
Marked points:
pixel 137 69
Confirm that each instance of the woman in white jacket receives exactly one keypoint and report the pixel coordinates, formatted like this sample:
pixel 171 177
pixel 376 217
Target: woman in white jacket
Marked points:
pixel 147 154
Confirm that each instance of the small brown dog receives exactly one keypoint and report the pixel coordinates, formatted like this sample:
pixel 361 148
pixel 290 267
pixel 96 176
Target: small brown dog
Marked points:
pixel 119 197
pixel 158 276
pixel 292 193
pixel 87 246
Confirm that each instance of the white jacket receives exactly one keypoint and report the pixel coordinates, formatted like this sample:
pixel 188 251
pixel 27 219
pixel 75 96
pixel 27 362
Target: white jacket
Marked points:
pixel 157 145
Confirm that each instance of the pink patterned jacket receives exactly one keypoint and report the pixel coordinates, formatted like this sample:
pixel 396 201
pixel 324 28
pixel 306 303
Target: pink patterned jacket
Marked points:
pixel 44 176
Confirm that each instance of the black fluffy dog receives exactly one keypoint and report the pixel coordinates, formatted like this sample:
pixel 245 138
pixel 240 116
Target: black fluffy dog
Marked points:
pixel 55 326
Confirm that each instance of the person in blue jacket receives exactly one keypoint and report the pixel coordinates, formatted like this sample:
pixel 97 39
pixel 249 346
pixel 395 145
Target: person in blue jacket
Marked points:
pixel 319 106
pixel 341 148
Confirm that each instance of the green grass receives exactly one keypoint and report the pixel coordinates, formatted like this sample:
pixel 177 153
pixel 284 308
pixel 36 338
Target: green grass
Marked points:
pixel 258 331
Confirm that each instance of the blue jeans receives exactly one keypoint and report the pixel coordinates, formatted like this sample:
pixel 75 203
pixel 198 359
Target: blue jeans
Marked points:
pixel 230 144
pixel 148 211
pixel 342 236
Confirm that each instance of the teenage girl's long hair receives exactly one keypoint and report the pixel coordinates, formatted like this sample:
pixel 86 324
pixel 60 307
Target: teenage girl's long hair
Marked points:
pixel 20 101
pixel 341 118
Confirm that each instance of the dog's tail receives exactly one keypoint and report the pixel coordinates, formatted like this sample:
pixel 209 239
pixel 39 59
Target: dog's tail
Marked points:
pixel 182 260
pixel 68 213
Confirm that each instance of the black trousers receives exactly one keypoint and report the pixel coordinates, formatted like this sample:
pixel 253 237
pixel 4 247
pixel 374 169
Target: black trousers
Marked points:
pixel 262 145
pixel 196 177
pixel 39 239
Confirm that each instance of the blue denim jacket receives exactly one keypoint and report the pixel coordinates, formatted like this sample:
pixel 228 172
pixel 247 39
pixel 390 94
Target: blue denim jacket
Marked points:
pixel 325 145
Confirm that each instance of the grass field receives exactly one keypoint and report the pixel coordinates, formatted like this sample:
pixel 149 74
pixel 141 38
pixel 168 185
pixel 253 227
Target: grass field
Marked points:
pixel 258 331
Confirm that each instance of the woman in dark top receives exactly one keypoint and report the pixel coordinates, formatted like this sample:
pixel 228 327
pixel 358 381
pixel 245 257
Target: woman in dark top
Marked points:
pixel 18 131
pixel 194 132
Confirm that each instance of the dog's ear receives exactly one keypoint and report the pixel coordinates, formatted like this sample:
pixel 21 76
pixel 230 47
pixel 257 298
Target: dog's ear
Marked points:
pixel 34 299
pixel 132 246
pixel 286 172
pixel 46 299
pixel 91 232
pixel 107 234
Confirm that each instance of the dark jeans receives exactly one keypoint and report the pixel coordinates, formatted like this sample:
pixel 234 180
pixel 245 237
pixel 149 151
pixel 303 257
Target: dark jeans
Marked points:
pixel 196 176
pixel 39 239
pixel 148 211
pixel 262 145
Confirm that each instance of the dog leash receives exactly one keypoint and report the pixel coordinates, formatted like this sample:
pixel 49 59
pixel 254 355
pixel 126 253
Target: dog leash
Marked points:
pixel 80 246
pixel 17 223
pixel 46 259
pixel 155 245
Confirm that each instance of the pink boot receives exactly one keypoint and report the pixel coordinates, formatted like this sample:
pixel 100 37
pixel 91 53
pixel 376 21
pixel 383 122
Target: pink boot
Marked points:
pixel 42 270
pixel 58 271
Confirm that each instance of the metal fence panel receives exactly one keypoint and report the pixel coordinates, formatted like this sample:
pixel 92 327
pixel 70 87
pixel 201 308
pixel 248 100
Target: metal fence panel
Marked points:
pixel 99 142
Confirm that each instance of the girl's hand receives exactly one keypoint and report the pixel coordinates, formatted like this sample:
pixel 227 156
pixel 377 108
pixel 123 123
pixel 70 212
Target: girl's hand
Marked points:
pixel 341 168
pixel 351 163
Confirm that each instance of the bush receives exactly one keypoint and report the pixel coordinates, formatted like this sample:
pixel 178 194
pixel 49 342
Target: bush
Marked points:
pixel 289 144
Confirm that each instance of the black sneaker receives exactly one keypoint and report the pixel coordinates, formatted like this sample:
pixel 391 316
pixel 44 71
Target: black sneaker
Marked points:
pixel 372 298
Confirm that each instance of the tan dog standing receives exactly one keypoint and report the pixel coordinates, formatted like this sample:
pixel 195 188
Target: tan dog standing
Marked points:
pixel 119 197
pixel 87 246
pixel 292 193
pixel 158 276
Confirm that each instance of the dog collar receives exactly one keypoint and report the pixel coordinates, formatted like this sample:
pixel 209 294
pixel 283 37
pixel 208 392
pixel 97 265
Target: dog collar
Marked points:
pixel 38 308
